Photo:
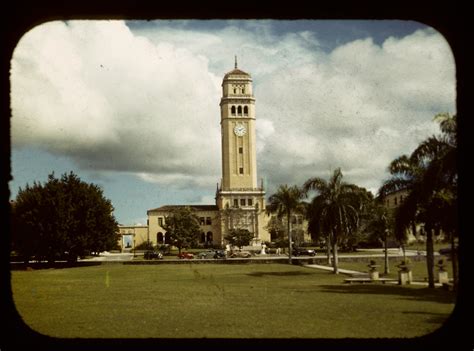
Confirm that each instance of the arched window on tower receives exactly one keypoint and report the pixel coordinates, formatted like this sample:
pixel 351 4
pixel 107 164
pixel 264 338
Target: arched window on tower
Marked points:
pixel 246 110
pixel 243 90
pixel 235 91
pixel 239 110
pixel 232 110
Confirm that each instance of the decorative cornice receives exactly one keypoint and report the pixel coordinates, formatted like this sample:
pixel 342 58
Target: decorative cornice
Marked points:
pixel 237 101
pixel 242 191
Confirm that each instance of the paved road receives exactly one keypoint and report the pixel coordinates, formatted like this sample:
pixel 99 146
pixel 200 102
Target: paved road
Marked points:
pixel 109 257
pixel 127 256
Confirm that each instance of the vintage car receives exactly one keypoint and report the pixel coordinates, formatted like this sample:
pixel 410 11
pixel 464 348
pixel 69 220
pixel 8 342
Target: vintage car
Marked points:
pixel 212 254
pixel 301 251
pixel 186 255
pixel 447 251
pixel 152 254
pixel 240 254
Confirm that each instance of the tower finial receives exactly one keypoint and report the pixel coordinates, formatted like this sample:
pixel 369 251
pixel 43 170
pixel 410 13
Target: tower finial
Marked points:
pixel 235 62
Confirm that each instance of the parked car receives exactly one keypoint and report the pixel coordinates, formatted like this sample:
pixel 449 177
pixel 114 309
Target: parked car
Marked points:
pixel 212 254
pixel 221 254
pixel 151 254
pixel 301 251
pixel 186 255
pixel 206 254
pixel 447 251
pixel 241 254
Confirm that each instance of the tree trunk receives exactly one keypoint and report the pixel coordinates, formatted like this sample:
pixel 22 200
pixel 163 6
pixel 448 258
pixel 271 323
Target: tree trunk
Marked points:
pixel 454 258
pixel 328 250
pixel 386 268
pixel 335 262
pixel 430 257
pixel 290 247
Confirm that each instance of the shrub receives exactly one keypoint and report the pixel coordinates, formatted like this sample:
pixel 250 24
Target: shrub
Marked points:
pixel 146 245
pixel 164 248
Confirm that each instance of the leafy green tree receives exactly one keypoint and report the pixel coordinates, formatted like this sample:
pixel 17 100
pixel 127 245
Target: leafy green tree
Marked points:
pixel 63 215
pixel 285 202
pixel 239 237
pixel 334 211
pixel 182 226
pixel 429 175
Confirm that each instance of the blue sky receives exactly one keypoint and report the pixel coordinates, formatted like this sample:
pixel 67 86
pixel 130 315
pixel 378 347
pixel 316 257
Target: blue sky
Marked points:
pixel 133 106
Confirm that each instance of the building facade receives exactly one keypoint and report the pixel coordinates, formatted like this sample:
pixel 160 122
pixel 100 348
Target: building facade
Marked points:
pixel 240 199
pixel 131 236
pixel 392 201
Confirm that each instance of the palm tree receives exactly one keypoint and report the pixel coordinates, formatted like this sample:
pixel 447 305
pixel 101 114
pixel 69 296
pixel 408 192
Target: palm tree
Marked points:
pixel 442 177
pixel 334 211
pixel 429 175
pixel 380 225
pixel 318 225
pixel 285 202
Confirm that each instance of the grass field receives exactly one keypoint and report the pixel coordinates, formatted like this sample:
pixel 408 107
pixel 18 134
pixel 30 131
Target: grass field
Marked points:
pixel 419 269
pixel 221 301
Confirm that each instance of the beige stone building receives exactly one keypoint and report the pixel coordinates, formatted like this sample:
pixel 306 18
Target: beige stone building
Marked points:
pixel 392 201
pixel 132 236
pixel 208 220
pixel 240 198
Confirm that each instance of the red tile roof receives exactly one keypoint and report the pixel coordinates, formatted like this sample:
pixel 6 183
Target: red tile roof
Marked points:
pixel 193 207
pixel 236 72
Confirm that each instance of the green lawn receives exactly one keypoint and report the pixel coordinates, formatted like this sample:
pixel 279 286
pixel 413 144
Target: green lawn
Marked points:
pixel 421 246
pixel 221 301
pixel 419 269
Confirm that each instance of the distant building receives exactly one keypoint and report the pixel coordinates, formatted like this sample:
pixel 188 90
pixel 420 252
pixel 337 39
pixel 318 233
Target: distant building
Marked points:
pixel 208 220
pixel 132 236
pixel 392 201
pixel 240 200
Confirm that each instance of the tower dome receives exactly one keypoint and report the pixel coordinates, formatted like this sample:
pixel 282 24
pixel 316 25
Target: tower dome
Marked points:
pixel 236 73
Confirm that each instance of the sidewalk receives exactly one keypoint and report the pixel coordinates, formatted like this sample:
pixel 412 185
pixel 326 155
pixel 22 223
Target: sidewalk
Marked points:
pixel 107 256
pixel 327 268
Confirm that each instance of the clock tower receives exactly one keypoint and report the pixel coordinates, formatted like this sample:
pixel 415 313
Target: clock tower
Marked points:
pixel 240 200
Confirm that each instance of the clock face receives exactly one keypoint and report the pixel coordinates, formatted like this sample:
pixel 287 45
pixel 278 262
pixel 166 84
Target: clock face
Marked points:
pixel 240 130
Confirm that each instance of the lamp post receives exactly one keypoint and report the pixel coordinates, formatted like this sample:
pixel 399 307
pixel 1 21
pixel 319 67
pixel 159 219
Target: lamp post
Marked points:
pixel 386 268
pixel 148 231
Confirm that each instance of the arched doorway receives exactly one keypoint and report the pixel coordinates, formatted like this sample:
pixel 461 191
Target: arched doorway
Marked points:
pixel 127 242
pixel 159 238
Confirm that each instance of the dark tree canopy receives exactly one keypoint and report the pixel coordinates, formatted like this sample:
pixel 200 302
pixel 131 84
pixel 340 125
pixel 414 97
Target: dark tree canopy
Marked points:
pixel 336 210
pixel 429 175
pixel 286 202
pixel 239 237
pixel 182 226
pixel 61 217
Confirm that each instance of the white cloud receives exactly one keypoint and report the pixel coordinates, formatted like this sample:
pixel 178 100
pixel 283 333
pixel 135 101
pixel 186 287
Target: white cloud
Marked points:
pixel 147 101
pixel 113 100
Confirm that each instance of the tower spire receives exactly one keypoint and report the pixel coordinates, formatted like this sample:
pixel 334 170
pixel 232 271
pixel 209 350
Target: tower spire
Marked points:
pixel 235 66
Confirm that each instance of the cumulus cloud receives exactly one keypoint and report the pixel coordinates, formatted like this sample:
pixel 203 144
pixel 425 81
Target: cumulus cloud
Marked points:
pixel 147 101
pixel 112 100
